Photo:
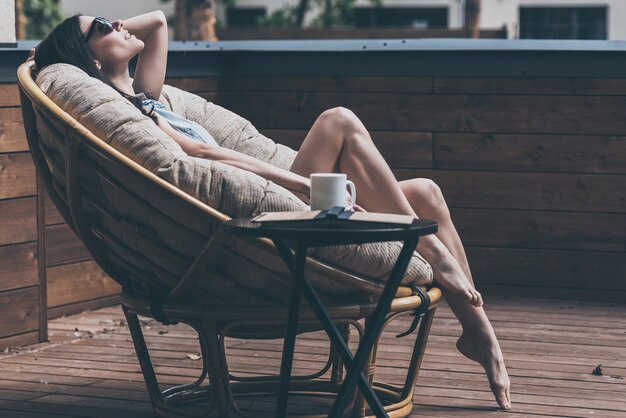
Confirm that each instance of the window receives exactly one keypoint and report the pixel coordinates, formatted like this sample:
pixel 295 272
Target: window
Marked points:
pixel 415 17
pixel 243 17
pixel 563 22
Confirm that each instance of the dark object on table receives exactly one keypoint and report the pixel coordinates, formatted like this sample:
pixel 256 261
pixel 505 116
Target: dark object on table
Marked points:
pixel 334 217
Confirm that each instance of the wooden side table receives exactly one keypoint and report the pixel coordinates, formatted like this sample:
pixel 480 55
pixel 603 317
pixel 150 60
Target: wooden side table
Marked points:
pixel 319 236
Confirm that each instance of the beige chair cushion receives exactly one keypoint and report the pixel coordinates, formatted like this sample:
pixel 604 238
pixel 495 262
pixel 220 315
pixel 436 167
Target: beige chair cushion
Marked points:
pixel 230 190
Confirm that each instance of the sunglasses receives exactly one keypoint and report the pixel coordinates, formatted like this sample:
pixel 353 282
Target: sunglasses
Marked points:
pixel 100 24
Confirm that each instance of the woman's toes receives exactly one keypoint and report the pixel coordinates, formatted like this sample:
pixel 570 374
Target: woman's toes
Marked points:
pixel 479 299
pixel 475 299
pixel 503 398
pixel 508 398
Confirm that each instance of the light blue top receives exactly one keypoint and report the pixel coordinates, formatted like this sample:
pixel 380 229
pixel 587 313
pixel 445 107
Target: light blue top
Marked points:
pixel 185 126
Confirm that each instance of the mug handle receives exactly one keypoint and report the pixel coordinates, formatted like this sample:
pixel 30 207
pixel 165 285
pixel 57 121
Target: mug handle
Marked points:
pixel 350 185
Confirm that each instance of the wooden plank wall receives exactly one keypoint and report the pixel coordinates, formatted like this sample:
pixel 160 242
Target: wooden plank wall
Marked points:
pixel 533 169
pixel 20 321
pixel 75 282
pixel 71 280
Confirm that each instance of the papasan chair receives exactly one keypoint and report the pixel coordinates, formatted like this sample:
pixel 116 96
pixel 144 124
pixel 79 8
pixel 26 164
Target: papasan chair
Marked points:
pixel 152 218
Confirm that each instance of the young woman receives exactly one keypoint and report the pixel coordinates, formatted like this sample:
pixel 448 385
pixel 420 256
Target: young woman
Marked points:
pixel 337 142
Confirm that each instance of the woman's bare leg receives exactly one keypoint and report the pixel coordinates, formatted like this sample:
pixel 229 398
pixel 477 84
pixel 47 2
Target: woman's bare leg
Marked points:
pixel 478 341
pixel 338 141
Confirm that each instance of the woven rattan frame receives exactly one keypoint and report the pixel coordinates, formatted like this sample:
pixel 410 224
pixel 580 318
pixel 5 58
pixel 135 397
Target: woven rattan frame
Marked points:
pixel 80 160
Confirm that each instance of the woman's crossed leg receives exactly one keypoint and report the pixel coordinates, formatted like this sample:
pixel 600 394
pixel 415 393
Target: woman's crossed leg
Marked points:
pixel 339 142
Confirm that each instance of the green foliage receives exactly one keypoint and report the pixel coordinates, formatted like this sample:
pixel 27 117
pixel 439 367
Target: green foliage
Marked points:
pixel 224 2
pixel 42 16
pixel 228 3
pixel 284 17
pixel 340 15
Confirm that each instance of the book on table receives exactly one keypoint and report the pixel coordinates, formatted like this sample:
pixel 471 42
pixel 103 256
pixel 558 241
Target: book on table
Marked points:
pixel 336 216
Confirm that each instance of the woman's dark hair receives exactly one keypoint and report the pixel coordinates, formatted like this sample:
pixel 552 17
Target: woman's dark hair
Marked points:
pixel 66 44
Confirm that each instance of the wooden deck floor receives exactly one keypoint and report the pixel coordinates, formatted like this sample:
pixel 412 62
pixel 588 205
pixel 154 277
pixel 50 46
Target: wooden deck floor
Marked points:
pixel 551 349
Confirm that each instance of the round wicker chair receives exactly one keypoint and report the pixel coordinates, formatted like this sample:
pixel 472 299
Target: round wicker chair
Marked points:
pixel 82 173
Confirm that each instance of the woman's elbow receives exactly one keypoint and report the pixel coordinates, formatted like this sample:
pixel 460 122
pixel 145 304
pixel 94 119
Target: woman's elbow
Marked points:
pixel 159 17
pixel 201 150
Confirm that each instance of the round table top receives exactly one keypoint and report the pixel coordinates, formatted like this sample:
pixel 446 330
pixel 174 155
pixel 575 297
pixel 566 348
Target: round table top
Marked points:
pixel 349 232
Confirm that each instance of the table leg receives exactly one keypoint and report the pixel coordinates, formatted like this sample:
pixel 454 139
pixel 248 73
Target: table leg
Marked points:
pixel 290 335
pixel 333 333
pixel 377 320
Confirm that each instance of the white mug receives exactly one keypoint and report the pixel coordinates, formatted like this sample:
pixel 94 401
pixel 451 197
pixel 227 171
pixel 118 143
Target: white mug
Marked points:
pixel 329 190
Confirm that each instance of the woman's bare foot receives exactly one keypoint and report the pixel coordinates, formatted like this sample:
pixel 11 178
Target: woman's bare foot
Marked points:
pixel 447 270
pixel 459 285
pixel 485 350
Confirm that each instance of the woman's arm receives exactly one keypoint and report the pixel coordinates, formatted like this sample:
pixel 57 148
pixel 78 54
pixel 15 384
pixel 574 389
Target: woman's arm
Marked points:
pixel 293 182
pixel 151 28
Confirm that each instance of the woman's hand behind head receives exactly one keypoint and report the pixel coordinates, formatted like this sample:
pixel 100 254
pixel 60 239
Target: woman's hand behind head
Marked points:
pixel 111 48
pixel 31 55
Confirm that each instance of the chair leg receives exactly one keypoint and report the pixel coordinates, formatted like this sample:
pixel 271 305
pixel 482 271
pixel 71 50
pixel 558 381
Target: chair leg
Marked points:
pixel 418 353
pixel 401 398
pixel 144 357
pixel 336 375
pixel 219 389
pixel 419 349
pixel 215 362
pixel 164 402
pixel 360 406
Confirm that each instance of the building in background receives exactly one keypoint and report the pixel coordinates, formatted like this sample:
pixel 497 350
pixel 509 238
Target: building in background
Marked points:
pixel 557 19
pixel 525 19
pixel 115 9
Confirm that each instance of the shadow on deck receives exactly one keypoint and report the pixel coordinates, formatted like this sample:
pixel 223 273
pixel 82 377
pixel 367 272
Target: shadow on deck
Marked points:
pixel 551 348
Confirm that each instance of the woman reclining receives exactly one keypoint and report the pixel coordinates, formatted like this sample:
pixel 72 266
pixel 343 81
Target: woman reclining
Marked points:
pixel 337 142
